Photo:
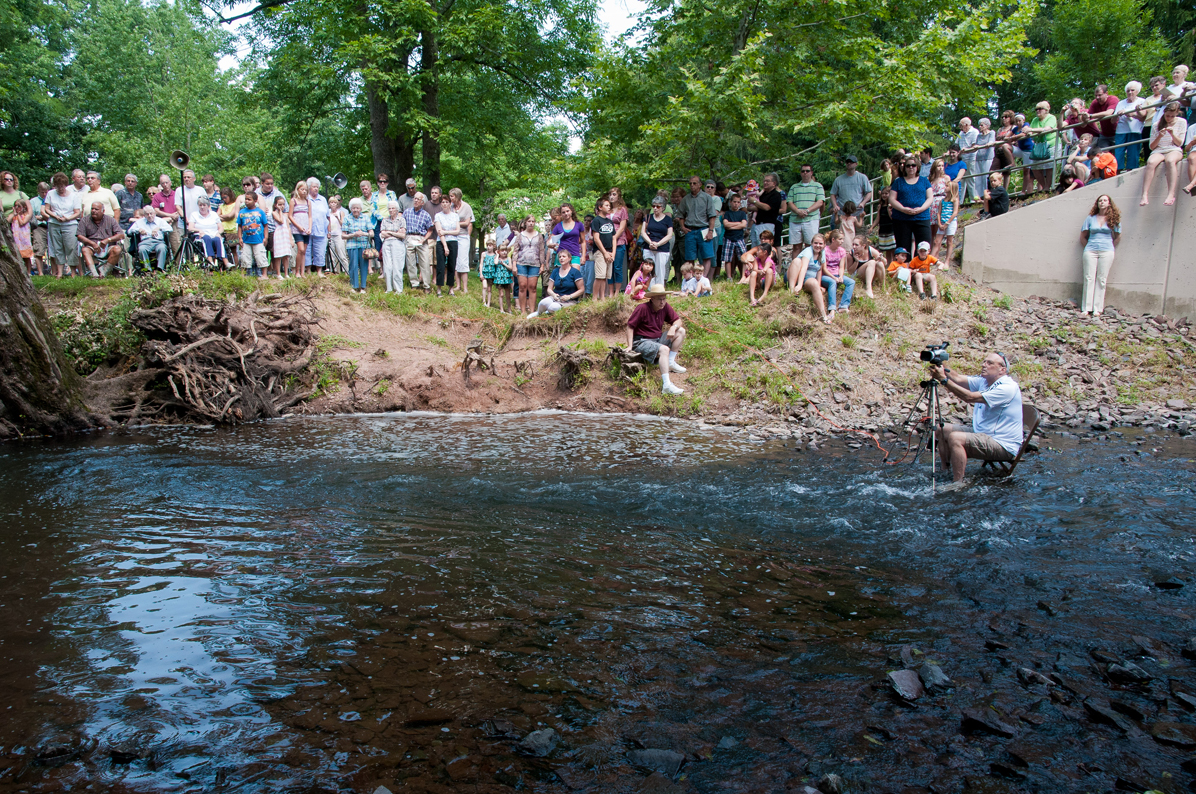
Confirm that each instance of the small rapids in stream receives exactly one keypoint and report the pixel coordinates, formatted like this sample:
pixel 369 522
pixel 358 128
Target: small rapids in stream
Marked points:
pixel 334 604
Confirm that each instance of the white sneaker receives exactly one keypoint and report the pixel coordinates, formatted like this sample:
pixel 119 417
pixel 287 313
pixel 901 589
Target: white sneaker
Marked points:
pixel 671 389
pixel 533 315
pixel 675 367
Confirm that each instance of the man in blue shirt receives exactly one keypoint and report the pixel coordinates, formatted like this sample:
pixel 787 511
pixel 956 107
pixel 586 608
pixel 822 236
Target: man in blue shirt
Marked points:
pixel 996 400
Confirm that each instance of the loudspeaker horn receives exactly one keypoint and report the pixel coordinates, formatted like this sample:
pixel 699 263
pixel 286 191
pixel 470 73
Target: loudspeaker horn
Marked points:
pixel 179 159
pixel 340 180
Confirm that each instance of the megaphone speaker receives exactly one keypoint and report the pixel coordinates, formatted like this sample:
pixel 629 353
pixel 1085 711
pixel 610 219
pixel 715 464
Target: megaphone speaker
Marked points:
pixel 179 159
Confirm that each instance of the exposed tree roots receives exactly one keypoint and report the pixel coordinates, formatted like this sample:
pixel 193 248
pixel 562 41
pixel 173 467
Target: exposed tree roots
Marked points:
pixel 213 361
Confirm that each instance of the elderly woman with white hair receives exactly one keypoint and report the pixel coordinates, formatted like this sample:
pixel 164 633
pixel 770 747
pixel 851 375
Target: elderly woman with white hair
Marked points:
pixel 207 228
pixel 317 244
pixel 1130 120
pixel 985 138
pixel 357 231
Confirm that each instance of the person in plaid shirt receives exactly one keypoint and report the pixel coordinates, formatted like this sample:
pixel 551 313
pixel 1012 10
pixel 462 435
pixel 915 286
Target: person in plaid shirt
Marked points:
pixel 419 244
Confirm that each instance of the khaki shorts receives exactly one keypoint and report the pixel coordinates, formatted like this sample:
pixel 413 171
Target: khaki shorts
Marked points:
pixel 602 265
pixel 980 446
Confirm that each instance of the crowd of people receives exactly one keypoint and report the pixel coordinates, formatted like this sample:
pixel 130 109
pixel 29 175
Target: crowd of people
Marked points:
pixel 902 224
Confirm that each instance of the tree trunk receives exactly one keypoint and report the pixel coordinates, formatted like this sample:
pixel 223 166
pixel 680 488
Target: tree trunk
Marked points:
pixel 382 146
pixel 430 55
pixel 40 393
pixel 392 154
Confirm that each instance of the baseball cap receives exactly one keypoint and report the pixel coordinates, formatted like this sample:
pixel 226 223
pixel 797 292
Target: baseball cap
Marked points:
pixel 923 244
pixel 851 158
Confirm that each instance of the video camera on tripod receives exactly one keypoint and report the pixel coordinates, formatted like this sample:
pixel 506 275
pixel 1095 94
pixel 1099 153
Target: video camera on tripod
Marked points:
pixel 933 417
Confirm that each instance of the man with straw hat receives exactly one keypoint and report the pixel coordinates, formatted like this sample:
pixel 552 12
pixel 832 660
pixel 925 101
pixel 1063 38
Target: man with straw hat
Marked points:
pixel 654 331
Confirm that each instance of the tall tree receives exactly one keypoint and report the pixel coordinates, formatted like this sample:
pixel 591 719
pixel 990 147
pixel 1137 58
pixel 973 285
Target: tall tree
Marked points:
pixel 145 78
pixel 715 86
pixel 402 54
pixel 38 132
pixel 1098 41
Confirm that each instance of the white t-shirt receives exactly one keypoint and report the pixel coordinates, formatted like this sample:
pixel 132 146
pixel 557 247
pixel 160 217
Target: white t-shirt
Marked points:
pixel 64 205
pixel 447 220
pixel 191 197
pixel 207 225
pixel 1128 124
pixel 1000 413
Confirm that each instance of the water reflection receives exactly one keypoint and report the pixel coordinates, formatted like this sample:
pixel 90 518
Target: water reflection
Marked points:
pixel 400 598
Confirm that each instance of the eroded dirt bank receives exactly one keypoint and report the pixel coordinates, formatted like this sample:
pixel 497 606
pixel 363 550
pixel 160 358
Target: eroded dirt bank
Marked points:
pixel 747 367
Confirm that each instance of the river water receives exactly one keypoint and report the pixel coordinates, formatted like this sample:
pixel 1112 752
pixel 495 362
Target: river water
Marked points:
pixel 332 604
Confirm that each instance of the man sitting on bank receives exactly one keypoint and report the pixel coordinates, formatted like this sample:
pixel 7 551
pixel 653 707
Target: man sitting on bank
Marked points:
pixel 996 432
pixel 647 335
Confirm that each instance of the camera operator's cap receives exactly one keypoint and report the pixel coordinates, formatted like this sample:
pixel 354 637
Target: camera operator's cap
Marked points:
pixel 851 158
pixel 923 246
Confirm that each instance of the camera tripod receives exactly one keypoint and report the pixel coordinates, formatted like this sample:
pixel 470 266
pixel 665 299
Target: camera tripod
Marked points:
pixel 933 417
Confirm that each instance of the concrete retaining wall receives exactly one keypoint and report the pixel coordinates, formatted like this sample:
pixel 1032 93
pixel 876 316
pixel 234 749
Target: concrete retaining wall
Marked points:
pixel 1035 250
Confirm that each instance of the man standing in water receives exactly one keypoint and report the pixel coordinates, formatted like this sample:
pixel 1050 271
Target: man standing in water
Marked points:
pixel 648 336
pixel 996 432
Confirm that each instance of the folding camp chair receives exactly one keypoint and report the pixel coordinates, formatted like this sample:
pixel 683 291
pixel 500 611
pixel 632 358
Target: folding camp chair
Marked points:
pixel 1030 421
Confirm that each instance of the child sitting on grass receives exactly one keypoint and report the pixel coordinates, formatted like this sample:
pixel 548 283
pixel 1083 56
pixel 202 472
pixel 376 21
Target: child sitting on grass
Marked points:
pixel 899 268
pixel 637 285
pixel 689 284
pixel 760 268
pixel 920 267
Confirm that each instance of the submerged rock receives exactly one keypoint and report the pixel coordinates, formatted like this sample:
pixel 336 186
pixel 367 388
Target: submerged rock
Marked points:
pixel 831 783
pixel 985 721
pixel 666 762
pixel 906 684
pixel 933 678
pixel 1129 673
pixel 1032 677
pixel 1101 711
pixel 538 743
pixel 1175 733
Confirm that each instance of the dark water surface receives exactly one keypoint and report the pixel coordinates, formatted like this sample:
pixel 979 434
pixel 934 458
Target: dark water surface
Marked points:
pixel 331 604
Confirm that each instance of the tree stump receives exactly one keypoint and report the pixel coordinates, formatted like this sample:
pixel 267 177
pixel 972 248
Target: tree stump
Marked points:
pixel 629 362
pixel 575 367
pixel 40 392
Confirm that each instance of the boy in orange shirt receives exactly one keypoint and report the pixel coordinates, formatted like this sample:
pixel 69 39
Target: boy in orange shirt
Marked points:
pixel 1103 164
pixel 920 266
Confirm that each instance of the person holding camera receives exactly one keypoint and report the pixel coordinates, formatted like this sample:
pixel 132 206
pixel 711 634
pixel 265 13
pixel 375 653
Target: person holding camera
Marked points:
pixel 996 399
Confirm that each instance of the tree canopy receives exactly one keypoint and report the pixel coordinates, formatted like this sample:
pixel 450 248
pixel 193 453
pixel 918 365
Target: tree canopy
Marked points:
pixel 488 95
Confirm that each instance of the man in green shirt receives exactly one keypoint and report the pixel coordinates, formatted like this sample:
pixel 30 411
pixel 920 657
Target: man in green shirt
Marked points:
pixel 804 202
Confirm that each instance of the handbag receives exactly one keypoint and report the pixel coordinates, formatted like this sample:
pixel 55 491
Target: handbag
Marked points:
pixel 1041 151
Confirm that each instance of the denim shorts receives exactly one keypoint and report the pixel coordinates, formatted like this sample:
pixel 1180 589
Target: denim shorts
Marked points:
pixel 529 271
pixel 300 237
